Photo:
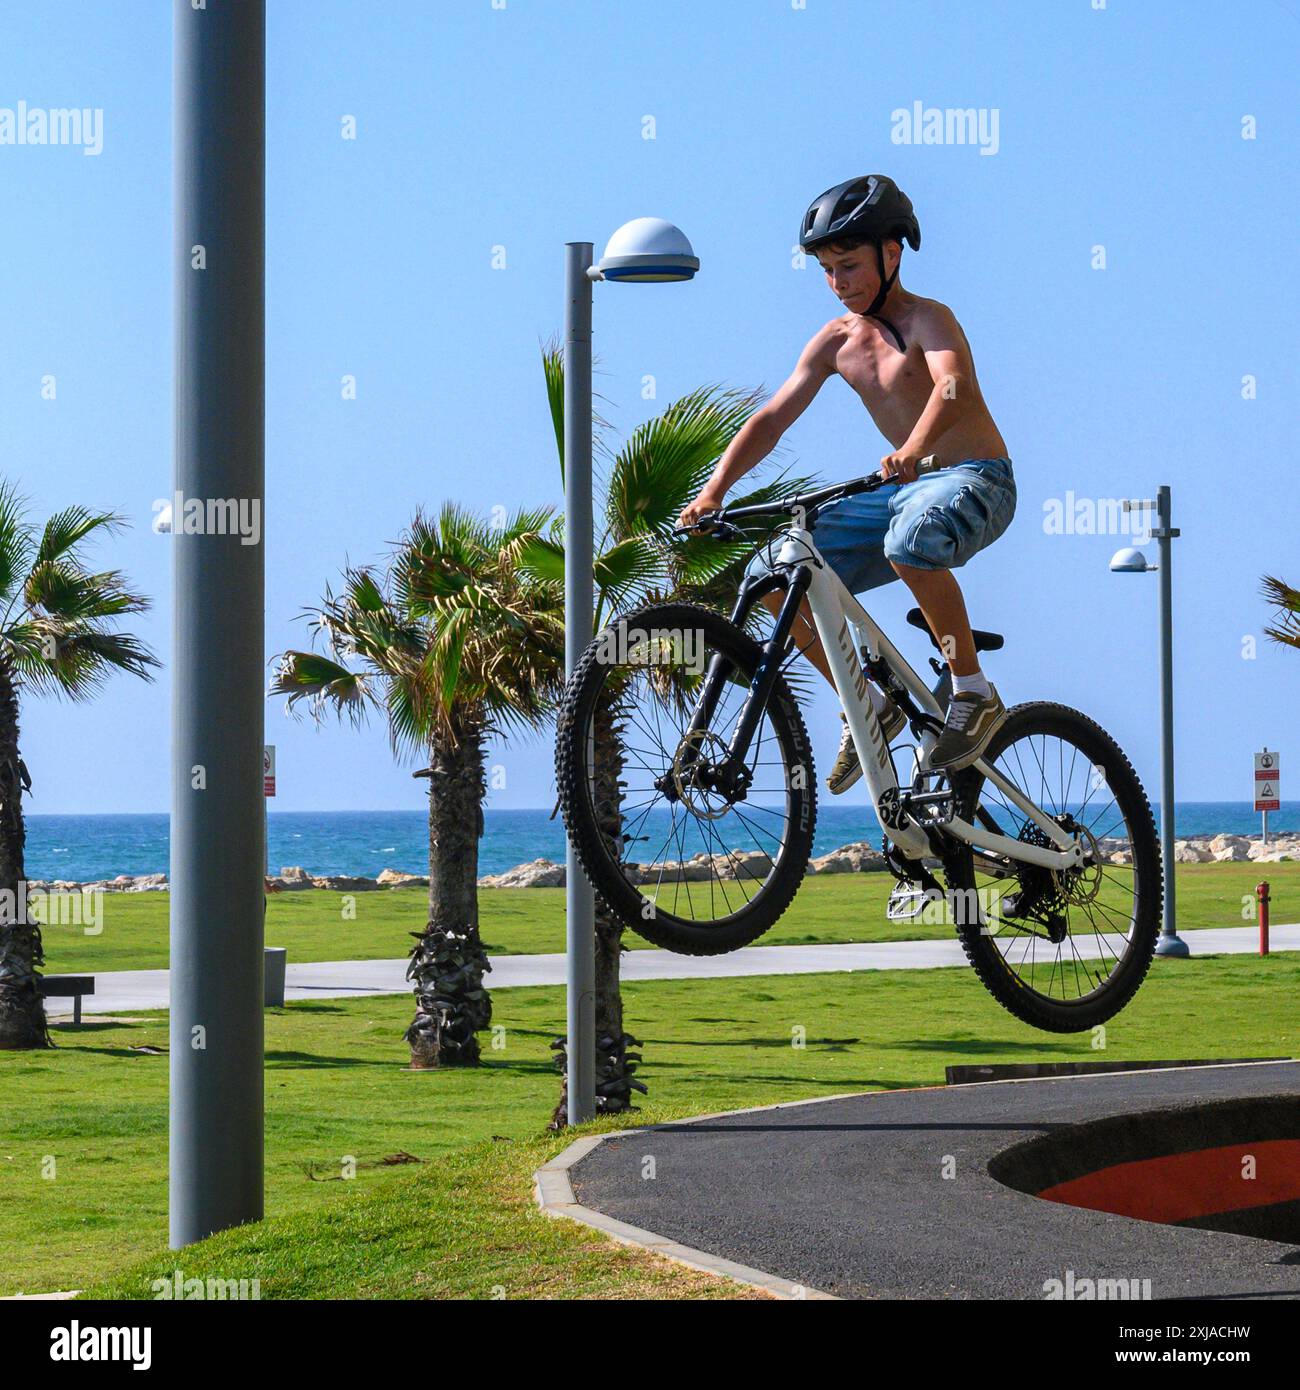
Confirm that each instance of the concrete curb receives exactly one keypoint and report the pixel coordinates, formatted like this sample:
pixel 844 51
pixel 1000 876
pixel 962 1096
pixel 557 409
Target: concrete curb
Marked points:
pixel 555 1196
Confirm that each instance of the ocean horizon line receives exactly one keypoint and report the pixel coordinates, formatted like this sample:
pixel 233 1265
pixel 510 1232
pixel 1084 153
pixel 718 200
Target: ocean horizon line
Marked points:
pixel 1238 804
pixel 94 846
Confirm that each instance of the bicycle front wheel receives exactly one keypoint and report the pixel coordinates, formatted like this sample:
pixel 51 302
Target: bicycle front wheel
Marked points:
pixel 687 866
pixel 1062 950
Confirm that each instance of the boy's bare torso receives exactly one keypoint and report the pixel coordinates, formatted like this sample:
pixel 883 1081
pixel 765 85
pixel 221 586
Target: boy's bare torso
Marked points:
pixel 895 386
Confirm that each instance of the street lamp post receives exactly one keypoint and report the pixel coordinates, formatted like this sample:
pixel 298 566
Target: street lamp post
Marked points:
pixel 217 966
pixel 579 900
pixel 1131 561
pixel 644 250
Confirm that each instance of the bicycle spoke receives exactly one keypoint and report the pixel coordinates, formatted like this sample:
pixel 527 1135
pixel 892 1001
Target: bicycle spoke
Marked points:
pixel 668 816
pixel 1090 907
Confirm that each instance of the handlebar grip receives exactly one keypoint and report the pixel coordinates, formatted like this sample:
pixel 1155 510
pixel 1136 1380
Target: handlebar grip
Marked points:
pixel 705 524
pixel 929 464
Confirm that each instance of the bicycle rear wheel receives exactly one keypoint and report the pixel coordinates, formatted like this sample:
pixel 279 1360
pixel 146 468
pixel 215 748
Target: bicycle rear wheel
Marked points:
pixel 1064 951
pixel 678 861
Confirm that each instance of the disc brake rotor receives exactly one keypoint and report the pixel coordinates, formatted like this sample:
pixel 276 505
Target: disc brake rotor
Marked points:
pixel 705 802
pixel 1081 885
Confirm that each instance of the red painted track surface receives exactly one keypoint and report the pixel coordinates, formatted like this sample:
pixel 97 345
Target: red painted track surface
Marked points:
pixel 1189 1186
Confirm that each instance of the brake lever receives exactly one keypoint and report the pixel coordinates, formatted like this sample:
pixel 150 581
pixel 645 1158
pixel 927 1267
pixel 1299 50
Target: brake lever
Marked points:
pixel 710 525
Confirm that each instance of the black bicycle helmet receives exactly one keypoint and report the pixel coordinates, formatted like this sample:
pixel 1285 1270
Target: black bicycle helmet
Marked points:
pixel 871 208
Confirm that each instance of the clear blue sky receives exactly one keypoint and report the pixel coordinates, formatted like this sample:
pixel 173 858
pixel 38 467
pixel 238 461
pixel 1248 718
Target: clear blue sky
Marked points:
pixel 522 128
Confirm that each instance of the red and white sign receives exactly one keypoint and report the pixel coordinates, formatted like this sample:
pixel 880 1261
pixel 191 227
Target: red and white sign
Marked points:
pixel 1268 783
pixel 268 769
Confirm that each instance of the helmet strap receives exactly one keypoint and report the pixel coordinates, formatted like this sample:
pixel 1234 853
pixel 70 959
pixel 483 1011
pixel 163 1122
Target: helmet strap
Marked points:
pixel 882 294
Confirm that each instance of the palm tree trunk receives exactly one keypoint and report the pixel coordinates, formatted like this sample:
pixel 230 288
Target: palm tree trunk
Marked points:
pixel 22 1010
pixel 448 961
pixel 615 1065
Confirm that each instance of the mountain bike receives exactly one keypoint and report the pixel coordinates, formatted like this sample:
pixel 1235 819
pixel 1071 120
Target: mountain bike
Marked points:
pixel 686 782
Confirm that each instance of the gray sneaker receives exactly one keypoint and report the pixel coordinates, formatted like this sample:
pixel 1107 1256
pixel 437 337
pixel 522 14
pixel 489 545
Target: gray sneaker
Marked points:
pixel 971 722
pixel 847 768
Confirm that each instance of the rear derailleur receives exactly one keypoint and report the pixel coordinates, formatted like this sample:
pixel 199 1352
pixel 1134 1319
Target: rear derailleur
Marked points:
pixel 1040 894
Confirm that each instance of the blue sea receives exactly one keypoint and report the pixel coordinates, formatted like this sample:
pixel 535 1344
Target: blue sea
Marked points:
pixel 364 842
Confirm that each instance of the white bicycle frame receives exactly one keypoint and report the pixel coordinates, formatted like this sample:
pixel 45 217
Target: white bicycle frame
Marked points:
pixel 844 627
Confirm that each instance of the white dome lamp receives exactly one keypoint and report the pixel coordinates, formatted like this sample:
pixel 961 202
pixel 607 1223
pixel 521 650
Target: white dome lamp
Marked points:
pixel 647 250
pixel 1131 561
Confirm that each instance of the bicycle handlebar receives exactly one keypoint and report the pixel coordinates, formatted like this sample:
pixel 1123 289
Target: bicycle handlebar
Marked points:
pixel 718 522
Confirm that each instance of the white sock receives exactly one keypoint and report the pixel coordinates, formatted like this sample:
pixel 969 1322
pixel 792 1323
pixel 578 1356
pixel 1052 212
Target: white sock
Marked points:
pixel 974 684
pixel 878 702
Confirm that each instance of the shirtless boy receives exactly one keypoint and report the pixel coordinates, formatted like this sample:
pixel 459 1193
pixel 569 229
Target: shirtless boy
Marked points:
pixel 909 361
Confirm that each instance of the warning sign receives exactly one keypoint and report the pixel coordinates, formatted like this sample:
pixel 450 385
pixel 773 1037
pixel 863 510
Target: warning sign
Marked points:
pixel 268 769
pixel 1268 781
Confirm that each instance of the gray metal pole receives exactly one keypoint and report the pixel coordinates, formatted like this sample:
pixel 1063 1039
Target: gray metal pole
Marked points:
pixel 219 68
pixel 580 907
pixel 1170 943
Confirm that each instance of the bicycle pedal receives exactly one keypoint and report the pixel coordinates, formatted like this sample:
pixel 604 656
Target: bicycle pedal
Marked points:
pixel 928 808
pixel 906 902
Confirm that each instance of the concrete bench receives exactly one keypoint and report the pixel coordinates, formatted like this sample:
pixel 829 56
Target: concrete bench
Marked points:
pixel 68 987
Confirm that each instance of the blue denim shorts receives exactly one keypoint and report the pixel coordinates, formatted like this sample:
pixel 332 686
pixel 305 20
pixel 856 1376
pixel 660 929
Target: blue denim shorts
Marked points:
pixel 935 523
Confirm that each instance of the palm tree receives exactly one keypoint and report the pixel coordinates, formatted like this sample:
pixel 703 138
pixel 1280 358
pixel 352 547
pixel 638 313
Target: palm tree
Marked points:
pixel 56 637
pixel 455 642
pixel 1286 604
pixel 645 484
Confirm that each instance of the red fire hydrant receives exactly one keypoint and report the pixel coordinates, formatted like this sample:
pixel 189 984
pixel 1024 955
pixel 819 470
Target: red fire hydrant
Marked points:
pixel 1261 897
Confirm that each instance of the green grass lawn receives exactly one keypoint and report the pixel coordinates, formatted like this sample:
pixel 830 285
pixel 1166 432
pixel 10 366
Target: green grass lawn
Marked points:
pixel 319 925
pixel 83 1134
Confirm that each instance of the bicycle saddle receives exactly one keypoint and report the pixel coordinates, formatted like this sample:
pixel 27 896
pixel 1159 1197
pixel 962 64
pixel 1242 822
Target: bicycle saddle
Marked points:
pixel 984 641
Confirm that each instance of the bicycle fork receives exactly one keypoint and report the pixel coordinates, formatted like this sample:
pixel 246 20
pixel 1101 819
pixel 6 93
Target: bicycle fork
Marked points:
pixel 729 774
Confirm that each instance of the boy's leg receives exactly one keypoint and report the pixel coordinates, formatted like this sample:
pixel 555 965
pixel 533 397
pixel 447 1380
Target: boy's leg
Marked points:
pixel 940 599
pixel 847 768
pixel 939 522
pixel 850 536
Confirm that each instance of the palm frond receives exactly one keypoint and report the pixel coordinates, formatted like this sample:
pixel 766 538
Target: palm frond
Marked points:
pixel 711 570
pixel 377 633
pixel 1285 629
pixel 55 630
pixel 667 460
pixel 63 591
pixel 323 684
pixel 17 544
pixel 628 574
pixel 66 529
pixel 553 370
pixel 408 717
pixel 447 654
pixel 542 558
pixel 364 592
pixel 455 628
pixel 82 660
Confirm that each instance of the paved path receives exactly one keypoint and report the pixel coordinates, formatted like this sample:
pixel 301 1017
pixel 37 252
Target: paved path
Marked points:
pixel 124 990
pixel 890 1194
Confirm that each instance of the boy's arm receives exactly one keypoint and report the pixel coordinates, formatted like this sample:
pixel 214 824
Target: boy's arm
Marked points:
pixel 948 358
pixel 761 433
